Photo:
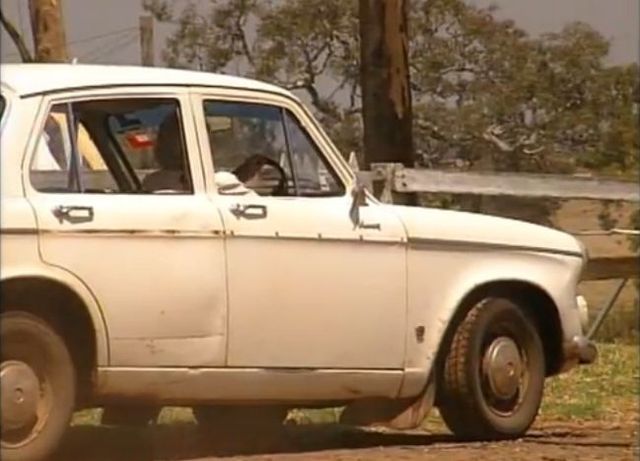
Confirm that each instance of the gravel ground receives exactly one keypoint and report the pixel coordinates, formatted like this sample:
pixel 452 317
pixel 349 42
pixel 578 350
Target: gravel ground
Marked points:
pixel 546 442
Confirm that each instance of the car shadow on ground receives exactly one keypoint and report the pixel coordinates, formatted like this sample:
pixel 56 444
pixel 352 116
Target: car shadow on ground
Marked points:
pixel 188 441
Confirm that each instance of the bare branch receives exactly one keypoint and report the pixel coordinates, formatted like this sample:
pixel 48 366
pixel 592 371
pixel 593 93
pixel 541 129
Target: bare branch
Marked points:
pixel 17 38
pixel 492 134
pixel 242 37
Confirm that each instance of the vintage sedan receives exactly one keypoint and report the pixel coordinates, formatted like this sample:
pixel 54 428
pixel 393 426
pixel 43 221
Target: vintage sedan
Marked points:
pixel 182 238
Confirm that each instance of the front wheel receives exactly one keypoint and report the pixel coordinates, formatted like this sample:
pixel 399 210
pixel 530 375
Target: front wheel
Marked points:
pixel 493 374
pixel 37 380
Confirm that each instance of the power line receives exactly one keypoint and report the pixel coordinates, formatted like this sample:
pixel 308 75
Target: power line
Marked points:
pixel 95 37
pixel 88 39
pixel 108 49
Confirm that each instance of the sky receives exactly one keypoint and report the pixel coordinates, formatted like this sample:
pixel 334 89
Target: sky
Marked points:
pixel 106 31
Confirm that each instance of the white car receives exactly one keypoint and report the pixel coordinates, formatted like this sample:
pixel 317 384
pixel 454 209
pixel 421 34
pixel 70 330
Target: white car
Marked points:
pixel 183 238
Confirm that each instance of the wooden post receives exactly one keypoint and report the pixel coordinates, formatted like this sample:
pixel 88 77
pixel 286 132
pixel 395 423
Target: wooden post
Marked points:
pixel 146 41
pixel 47 26
pixel 384 75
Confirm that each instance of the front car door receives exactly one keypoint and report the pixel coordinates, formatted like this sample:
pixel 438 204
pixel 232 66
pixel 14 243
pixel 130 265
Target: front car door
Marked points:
pixel 307 287
pixel 118 190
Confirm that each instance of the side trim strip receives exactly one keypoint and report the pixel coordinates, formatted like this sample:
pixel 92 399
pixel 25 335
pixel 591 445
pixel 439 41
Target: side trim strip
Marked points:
pixel 18 231
pixel 442 244
pixel 366 238
pixel 116 232
pixel 205 234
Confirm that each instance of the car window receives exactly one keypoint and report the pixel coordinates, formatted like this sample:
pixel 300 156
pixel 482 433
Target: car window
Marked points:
pixel 267 150
pixel 313 175
pixel 249 140
pixel 112 146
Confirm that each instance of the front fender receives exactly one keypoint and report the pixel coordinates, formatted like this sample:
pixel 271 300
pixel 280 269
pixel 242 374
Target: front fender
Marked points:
pixel 440 278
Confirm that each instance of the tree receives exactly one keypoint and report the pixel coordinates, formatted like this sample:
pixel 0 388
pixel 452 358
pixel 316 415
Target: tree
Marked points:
pixel 485 95
pixel 385 82
pixel 47 27
pixel 289 47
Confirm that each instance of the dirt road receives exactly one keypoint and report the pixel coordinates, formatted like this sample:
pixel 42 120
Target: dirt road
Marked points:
pixel 548 442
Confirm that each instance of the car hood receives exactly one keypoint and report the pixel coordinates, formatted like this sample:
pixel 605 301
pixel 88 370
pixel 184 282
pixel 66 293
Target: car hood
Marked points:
pixel 463 228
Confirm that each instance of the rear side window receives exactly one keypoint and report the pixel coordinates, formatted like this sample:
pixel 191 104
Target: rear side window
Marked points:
pixel 112 146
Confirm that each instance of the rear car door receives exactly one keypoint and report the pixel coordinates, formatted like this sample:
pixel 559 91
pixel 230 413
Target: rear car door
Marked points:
pixel 118 191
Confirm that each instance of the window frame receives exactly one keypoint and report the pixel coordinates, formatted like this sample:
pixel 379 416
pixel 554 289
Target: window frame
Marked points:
pixel 178 95
pixel 321 155
pixel 323 145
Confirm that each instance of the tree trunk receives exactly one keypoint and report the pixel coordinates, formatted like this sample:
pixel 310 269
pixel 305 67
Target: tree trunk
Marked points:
pixel 47 26
pixel 384 75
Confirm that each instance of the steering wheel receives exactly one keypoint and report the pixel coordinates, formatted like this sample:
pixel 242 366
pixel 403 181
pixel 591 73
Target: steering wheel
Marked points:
pixel 252 165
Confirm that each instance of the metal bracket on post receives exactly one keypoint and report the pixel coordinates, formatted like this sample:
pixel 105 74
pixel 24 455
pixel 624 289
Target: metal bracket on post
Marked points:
pixel 602 314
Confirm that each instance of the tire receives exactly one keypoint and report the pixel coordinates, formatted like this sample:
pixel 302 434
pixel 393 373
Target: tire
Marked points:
pixel 38 382
pixel 492 378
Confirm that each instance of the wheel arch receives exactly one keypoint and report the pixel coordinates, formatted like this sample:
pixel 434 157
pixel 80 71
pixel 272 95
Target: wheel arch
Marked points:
pixel 529 296
pixel 69 307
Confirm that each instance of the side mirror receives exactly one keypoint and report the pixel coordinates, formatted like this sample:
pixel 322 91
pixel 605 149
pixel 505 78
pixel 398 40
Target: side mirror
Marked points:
pixel 359 199
pixel 359 195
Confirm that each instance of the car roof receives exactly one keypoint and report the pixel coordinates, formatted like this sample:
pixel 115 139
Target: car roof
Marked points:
pixel 30 79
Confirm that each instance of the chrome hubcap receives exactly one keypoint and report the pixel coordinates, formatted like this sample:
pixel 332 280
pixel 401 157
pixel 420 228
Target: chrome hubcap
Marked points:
pixel 502 367
pixel 20 395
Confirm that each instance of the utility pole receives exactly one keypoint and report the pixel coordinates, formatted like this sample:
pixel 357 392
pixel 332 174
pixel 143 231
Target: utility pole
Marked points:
pixel 384 77
pixel 146 41
pixel 47 26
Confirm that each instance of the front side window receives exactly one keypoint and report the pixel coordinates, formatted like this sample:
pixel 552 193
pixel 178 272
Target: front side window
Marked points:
pixel 314 177
pixel 249 141
pixel 112 146
pixel 267 149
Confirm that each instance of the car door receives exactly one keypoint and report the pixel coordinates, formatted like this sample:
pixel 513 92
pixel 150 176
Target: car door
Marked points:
pixel 118 190
pixel 307 287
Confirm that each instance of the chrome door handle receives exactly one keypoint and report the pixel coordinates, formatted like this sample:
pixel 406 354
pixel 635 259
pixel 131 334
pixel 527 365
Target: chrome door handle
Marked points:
pixel 250 211
pixel 73 214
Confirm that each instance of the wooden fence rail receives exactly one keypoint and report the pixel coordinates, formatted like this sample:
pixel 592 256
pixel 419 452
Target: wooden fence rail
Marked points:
pixel 399 179
pixel 395 178
pixel 612 267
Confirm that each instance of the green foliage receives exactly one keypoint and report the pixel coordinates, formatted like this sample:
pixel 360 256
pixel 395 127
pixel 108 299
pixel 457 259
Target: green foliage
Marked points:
pixel 604 391
pixel 486 94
